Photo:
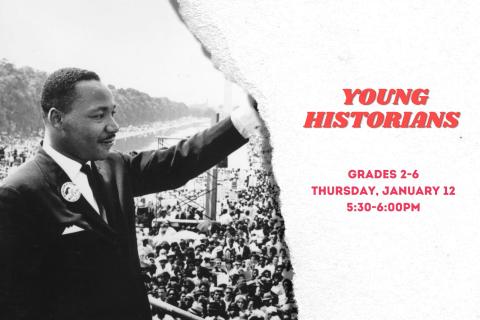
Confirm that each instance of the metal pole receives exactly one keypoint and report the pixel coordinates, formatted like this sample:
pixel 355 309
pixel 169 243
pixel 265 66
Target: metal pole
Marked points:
pixel 211 195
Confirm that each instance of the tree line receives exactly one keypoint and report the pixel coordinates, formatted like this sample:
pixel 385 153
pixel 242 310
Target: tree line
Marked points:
pixel 20 89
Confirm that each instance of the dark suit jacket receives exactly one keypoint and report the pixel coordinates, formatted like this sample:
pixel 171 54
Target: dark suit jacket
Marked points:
pixel 246 253
pixel 92 274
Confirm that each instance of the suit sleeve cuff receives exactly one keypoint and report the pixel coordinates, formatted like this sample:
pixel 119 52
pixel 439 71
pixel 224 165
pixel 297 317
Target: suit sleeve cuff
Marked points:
pixel 246 120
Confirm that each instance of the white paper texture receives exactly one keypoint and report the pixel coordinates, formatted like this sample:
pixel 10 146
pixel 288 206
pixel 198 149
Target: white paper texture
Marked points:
pixel 297 56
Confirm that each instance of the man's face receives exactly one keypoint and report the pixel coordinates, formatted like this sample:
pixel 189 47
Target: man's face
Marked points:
pixel 203 289
pixel 275 260
pixel 241 304
pixel 162 294
pixel 278 269
pixel 241 279
pixel 171 294
pixel 88 127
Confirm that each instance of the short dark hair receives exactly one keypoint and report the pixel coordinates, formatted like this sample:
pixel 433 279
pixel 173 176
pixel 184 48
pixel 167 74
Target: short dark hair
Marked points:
pixel 59 88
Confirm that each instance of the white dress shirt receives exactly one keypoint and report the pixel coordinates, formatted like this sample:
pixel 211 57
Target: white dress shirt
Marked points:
pixel 246 120
pixel 72 169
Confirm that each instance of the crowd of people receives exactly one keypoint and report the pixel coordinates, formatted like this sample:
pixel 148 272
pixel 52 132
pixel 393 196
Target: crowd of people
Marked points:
pixel 236 267
pixel 14 151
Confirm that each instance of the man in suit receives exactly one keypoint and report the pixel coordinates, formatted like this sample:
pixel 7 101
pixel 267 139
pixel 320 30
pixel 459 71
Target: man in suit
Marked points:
pixel 243 250
pixel 67 227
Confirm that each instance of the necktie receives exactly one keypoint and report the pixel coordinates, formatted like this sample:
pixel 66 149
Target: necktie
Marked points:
pixel 94 182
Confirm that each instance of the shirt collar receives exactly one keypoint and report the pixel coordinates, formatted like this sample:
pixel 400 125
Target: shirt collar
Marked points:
pixel 70 166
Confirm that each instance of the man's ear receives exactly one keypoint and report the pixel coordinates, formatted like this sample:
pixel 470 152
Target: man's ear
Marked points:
pixel 55 118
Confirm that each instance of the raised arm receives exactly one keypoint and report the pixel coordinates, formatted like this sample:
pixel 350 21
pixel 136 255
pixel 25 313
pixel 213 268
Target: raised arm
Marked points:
pixel 155 171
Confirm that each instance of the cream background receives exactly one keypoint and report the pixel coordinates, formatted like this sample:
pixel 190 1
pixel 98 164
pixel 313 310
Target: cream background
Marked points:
pixel 297 56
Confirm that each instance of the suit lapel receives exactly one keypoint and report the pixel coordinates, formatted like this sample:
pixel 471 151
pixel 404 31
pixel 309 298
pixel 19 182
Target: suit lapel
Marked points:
pixel 84 214
pixel 91 215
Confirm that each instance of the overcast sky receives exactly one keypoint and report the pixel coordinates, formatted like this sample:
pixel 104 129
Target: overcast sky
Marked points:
pixel 138 44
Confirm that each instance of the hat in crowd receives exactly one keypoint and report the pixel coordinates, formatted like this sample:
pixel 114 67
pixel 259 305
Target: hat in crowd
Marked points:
pixel 267 296
pixel 271 310
pixel 240 297
pixel 196 309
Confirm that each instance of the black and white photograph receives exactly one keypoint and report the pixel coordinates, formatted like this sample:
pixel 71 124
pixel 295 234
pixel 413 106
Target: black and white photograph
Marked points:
pixel 136 180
